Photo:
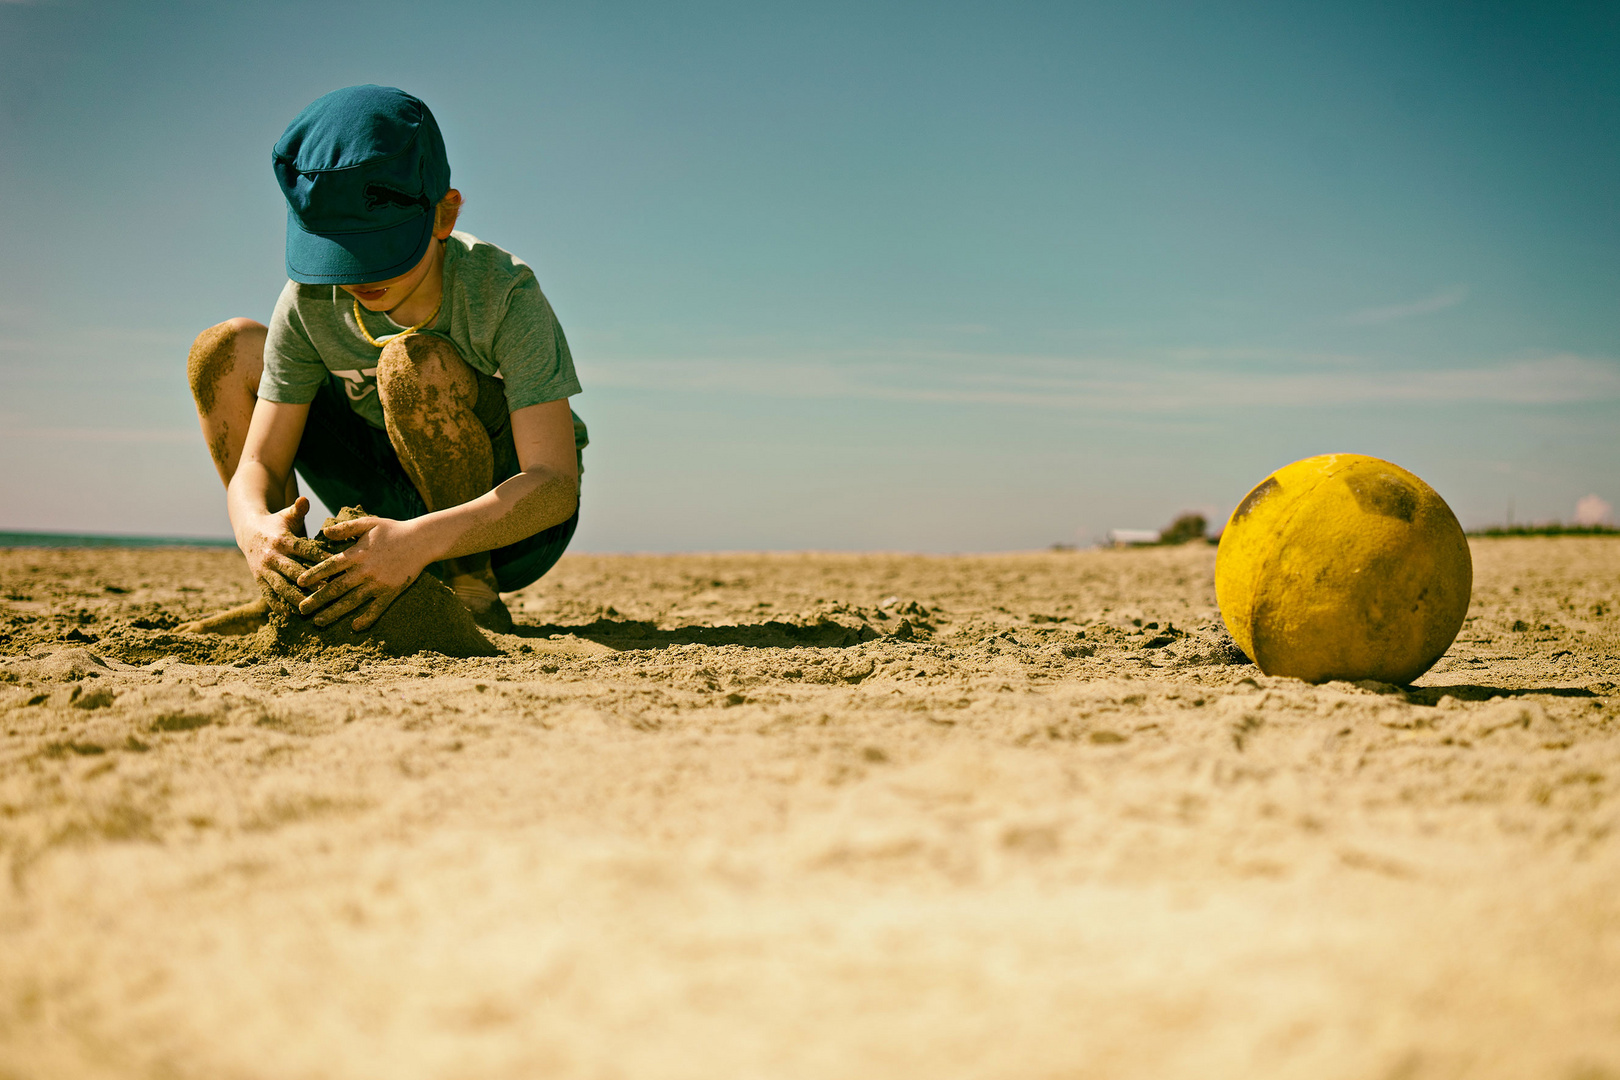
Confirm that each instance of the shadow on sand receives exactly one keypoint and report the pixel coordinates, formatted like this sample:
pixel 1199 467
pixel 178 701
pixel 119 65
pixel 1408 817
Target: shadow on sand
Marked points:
pixel 1431 695
pixel 626 634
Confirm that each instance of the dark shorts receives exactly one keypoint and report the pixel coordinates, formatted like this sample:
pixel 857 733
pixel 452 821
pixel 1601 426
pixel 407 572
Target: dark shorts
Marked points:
pixel 347 462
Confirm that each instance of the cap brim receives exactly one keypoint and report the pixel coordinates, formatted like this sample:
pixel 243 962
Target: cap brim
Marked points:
pixel 355 258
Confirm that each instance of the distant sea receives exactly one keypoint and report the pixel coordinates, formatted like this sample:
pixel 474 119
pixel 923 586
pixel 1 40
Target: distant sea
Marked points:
pixel 74 540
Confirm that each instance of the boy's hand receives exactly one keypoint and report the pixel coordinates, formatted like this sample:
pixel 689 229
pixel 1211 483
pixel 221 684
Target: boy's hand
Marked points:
pixel 368 576
pixel 273 550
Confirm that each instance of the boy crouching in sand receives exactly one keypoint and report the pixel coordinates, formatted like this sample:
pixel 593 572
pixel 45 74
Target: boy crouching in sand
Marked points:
pixel 411 369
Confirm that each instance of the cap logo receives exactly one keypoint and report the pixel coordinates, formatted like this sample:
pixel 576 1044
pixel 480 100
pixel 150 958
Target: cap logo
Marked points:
pixel 381 195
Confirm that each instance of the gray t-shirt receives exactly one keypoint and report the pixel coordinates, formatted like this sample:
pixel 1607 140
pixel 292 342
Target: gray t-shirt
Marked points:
pixel 493 313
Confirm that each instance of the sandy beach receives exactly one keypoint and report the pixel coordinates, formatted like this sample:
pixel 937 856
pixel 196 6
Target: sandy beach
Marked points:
pixel 807 816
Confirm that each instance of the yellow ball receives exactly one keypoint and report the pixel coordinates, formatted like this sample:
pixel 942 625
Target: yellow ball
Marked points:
pixel 1343 567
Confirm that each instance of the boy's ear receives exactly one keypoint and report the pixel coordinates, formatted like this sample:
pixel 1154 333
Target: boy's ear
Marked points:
pixel 445 214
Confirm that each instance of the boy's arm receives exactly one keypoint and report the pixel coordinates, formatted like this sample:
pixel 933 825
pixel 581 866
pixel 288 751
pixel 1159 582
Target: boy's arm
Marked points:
pixel 264 530
pixel 544 493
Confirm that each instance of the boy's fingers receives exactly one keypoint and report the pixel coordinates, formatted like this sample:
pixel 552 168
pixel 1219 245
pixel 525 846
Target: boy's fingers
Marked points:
pixel 282 588
pixel 284 568
pixel 305 550
pixel 348 530
pixel 341 607
pixel 323 570
pixel 368 618
pixel 327 593
pixel 295 512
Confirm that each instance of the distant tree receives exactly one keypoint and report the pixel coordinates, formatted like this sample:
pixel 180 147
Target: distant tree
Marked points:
pixel 1184 528
pixel 1551 528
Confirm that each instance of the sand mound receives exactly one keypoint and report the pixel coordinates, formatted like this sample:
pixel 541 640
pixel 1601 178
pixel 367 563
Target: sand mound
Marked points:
pixel 426 617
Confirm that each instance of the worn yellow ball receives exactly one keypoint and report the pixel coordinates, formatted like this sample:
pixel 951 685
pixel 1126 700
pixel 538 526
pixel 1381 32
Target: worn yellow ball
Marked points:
pixel 1343 567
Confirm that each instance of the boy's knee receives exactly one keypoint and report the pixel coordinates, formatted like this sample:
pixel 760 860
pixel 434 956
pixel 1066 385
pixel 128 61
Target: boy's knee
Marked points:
pixel 218 352
pixel 418 371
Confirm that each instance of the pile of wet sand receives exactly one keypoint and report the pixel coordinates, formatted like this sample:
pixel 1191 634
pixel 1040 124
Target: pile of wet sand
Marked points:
pixel 425 617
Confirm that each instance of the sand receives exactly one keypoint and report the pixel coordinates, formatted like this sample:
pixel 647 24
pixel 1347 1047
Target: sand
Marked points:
pixel 807 816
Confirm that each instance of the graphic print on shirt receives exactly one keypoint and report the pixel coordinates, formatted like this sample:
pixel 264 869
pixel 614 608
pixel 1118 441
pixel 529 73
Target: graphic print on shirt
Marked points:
pixel 359 384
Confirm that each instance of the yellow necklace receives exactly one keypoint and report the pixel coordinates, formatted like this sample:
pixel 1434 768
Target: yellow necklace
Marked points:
pixel 386 338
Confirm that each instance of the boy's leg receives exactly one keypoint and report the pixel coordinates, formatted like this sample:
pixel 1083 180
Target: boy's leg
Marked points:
pixel 428 395
pixel 223 368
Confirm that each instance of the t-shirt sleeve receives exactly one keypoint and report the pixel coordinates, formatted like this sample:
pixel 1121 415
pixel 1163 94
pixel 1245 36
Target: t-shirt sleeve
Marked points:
pixel 293 372
pixel 530 350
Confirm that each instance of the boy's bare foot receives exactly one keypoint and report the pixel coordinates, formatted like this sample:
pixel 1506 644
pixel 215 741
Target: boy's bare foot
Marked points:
pixel 478 593
pixel 242 619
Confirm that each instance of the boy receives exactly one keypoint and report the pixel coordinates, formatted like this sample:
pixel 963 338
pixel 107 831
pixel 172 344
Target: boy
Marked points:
pixel 409 368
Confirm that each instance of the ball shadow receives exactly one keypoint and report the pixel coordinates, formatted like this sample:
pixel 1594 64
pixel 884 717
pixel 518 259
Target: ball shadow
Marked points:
pixel 1431 695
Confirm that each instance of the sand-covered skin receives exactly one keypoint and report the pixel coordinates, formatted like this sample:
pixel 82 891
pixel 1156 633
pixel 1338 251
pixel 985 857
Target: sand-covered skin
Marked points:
pixel 807 816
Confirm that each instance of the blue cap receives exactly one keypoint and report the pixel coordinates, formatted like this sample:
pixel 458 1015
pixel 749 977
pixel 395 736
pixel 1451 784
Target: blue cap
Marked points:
pixel 362 169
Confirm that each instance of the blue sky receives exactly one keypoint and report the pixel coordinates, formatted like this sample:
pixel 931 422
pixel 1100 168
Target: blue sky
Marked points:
pixel 930 277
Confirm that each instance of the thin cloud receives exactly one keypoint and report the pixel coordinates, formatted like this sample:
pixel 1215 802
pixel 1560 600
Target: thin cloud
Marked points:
pixel 1377 316
pixel 1118 385
pixel 101 435
pixel 92 340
